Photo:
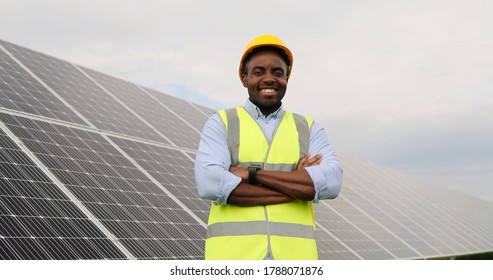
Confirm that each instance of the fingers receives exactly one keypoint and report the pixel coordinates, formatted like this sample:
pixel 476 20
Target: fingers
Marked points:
pixel 306 161
pixel 316 160
pixel 302 162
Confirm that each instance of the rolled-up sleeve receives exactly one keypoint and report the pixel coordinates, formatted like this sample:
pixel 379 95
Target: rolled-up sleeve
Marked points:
pixel 212 162
pixel 326 177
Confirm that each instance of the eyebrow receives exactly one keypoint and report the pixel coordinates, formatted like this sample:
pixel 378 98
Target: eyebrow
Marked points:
pixel 263 68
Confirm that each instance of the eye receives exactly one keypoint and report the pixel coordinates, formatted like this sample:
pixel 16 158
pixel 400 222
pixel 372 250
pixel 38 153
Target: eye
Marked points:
pixel 279 73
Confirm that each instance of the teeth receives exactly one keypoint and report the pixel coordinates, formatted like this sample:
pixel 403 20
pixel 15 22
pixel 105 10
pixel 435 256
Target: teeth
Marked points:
pixel 268 90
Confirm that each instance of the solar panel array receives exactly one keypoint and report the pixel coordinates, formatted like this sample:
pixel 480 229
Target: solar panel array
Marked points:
pixel 94 167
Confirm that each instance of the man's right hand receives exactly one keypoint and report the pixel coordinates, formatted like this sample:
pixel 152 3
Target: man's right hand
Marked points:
pixel 306 162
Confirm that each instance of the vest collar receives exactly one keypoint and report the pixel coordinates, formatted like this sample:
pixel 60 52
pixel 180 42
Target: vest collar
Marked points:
pixel 255 112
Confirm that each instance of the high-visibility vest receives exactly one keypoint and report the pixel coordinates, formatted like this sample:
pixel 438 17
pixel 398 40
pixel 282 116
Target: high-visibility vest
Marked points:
pixel 281 231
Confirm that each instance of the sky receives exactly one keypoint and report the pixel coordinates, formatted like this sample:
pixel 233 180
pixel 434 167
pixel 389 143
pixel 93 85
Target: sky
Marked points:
pixel 404 84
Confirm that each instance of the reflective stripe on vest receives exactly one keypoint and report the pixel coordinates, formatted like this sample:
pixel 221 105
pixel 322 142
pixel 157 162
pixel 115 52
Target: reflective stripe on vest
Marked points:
pixel 257 227
pixel 281 231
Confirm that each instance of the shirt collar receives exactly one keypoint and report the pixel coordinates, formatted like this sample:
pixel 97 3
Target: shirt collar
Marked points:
pixel 255 112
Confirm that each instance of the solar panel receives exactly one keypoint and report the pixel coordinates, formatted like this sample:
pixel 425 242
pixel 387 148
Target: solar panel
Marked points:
pixel 193 114
pixel 92 103
pixel 172 169
pixel 38 221
pixel 155 114
pixel 95 167
pixel 420 215
pixel 20 91
pixel 120 196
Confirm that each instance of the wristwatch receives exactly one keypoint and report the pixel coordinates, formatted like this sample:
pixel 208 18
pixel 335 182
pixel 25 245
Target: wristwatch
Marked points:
pixel 252 173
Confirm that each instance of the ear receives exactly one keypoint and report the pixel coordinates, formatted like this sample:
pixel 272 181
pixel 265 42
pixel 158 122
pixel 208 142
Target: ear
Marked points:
pixel 244 80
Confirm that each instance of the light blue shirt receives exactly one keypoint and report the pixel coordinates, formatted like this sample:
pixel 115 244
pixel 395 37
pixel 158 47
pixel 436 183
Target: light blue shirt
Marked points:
pixel 213 159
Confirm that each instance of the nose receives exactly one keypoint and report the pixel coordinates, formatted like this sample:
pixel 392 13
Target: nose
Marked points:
pixel 269 78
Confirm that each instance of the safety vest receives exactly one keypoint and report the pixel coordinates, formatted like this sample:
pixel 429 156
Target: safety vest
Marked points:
pixel 281 231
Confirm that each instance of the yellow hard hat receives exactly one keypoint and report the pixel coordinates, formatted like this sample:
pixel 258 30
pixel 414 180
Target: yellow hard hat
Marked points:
pixel 266 40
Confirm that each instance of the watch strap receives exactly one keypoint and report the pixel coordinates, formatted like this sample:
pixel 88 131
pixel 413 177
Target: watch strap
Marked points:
pixel 252 173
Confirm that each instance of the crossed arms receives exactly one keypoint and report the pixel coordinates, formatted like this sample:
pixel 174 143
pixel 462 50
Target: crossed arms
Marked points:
pixel 274 186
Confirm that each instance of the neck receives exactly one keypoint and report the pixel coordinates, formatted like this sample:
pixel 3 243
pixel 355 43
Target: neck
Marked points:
pixel 266 111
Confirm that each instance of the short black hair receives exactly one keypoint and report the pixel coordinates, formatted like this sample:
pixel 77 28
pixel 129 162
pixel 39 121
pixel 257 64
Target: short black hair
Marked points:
pixel 279 51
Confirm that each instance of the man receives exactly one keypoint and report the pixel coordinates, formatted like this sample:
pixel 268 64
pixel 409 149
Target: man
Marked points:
pixel 263 167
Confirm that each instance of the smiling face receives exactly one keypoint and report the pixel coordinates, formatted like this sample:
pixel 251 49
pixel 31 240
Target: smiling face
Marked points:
pixel 266 81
